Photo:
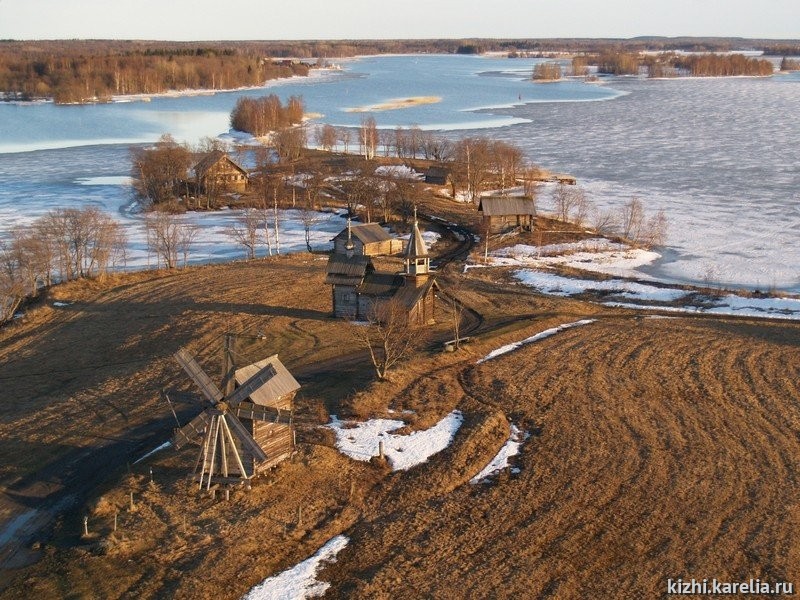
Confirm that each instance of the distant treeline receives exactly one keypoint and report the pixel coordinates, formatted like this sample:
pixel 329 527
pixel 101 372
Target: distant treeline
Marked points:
pixel 80 70
pixel 70 77
pixel 670 64
pixel 344 48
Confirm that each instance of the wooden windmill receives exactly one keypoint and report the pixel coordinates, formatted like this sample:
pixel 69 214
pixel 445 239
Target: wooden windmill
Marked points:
pixel 244 430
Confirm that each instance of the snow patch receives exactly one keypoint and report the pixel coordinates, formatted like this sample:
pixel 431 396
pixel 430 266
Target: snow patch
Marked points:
pixel 556 285
pixel 163 446
pixel 398 172
pixel 596 255
pixel 359 440
pixel 534 338
pixel 301 580
pixel 500 461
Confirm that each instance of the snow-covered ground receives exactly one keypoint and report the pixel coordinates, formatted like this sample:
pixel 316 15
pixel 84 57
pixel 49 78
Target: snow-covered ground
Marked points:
pixel 300 581
pixel 429 237
pixel 601 256
pixel 534 338
pixel 213 244
pixel 639 296
pixel 556 285
pixel 597 255
pixel 500 461
pixel 360 440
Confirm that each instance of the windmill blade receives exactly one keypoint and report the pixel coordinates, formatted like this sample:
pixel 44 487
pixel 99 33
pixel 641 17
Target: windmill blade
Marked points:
pixel 196 373
pixel 251 385
pixel 191 431
pixel 257 412
pixel 240 431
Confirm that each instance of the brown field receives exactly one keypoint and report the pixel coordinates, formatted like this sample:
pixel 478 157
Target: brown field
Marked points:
pixel 659 448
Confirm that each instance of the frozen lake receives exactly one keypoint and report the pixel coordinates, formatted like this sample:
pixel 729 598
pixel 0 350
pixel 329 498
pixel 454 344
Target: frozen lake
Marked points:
pixel 719 155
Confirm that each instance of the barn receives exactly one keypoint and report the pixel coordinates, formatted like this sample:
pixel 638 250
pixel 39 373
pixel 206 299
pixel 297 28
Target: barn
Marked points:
pixel 503 213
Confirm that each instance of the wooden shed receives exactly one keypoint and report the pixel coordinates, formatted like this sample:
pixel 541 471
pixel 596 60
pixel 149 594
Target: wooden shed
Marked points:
pixel 369 239
pixel 437 176
pixel 276 439
pixel 218 172
pixel 502 213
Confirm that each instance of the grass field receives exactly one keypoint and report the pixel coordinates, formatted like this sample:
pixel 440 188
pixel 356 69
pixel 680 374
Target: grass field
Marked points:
pixel 659 448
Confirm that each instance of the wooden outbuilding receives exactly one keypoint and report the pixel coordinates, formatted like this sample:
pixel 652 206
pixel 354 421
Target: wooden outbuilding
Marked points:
pixel 218 172
pixel 276 438
pixel 437 176
pixel 503 213
pixel 368 239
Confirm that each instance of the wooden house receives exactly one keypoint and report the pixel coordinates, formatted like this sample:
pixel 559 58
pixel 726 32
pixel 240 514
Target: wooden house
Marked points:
pixel 437 176
pixel 218 172
pixel 276 439
pixel 359 290
pixel 503 213
pixel 368 239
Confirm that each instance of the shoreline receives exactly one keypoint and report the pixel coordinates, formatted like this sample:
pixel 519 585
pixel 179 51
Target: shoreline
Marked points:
pixel 316 72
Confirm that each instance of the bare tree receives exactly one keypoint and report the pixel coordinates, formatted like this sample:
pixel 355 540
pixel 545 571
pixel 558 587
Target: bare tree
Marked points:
pixel 583 208
pixel 567 198
pixel 344 136
pixel 368 137
pixel 160 172
pixel 187 233
pixel 632 219
pixel 435 147
pixel 655 231
pixel 602 221
pixel 164 237
pixel 289 142
pixel 12 288
pixel 506 161
pixel 308 217
pixel 86 241
pixel 387 336
pixel 326 137
pixel 244 231
pixel 472 166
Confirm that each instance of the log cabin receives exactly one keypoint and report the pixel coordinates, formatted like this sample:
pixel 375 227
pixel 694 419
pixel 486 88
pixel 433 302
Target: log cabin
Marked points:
pixel 217 172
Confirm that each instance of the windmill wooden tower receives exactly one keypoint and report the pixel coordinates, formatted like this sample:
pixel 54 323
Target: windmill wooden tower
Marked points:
pixel 247 428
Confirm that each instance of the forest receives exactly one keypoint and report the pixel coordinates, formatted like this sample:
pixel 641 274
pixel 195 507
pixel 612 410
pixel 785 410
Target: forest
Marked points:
pixel 71 76
pixel 672 64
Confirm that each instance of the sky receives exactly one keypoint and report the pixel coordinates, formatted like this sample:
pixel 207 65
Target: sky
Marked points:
pixel 373 19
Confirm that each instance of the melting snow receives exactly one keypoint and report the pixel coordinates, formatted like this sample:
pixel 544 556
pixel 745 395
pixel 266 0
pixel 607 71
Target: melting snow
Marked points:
pixel 534 338
pixel 360 440
pixel 301 580
pixel 597 255
pixel 557 285
pixel 398 171
pixel 430 237
pixel 500 462
pixel 163 446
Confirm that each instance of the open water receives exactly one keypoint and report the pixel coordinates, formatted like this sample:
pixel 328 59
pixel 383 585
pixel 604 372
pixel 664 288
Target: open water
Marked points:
pixel 720 156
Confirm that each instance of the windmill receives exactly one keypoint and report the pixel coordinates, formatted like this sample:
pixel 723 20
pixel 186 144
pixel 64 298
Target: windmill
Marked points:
pixel 233 421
